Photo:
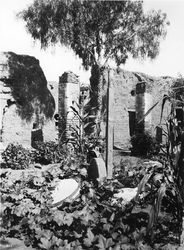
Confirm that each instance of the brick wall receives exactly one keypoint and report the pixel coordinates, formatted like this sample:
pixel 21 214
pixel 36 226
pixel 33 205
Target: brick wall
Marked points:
pixel 126 98
pixel 160 87
pixel 27 87
pixel 123 83
pixel 15 130
pixel 67 93
pixel 68 96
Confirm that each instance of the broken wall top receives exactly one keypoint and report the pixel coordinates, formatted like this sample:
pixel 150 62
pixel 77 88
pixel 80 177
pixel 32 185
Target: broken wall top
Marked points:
pixel 69 77
pixel 23 74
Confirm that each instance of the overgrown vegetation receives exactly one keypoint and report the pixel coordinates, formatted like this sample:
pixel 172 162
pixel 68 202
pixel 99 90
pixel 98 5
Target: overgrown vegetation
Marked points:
pixel 143 144
pixel 47 152
pixel 97 32
pixel 15 156
pixel 96 219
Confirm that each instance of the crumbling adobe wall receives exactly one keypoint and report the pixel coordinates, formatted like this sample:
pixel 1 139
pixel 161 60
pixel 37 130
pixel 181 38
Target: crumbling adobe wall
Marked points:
pixel 126 100
pixel 30 102
pixel 124 84
pixel 162 86
pixel 69 90
pixel 154 90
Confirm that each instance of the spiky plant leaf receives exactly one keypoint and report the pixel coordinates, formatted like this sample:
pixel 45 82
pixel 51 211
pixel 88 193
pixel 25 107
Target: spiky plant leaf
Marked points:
pixel 165 98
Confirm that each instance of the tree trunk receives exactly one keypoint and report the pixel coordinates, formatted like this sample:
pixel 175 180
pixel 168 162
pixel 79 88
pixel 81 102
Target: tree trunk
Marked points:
pixel 95 106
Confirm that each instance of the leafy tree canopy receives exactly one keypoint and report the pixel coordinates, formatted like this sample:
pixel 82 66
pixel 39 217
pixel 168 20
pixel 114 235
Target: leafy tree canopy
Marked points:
pixel 97 30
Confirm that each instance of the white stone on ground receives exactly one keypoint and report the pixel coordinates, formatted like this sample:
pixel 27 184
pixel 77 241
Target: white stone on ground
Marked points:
pixel 127 194
pixel 64 189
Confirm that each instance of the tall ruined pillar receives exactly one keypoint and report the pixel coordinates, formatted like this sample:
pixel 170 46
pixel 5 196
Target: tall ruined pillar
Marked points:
pixel 68 96
pixel 140 105
pixel 143 104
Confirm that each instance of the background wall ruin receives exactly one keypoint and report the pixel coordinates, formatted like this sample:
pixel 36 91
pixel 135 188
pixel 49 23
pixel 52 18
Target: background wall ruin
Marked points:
pixel 19 72
pixel 129 103
pixel 27 100
pixel 69 91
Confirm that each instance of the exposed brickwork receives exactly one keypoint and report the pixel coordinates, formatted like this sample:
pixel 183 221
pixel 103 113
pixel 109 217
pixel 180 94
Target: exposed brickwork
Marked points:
pixel 66 93
pixel 16 130
pixel 160 87
pixel 68 96
pixel 27 85
pixel 155 89
pixel 124 83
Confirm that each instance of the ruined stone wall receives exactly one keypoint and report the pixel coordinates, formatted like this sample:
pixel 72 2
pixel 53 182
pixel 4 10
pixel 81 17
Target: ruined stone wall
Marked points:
pixel 15 130
pixel 50 130
pixel 68 96
pixel 28 100
pixel 25 71
pixel 161 86
pixel 154 90
pixel 126 99
pixel 124 84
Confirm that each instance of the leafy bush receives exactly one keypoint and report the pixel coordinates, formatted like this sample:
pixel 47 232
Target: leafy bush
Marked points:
pixel 92 221
pixel 144 144
pixel 159 197
pixel 47 153
pixel 129 174
pixel 16 156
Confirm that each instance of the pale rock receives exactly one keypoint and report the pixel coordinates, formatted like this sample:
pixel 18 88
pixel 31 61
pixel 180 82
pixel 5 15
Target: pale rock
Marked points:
pixel 65 189
pixel 126 194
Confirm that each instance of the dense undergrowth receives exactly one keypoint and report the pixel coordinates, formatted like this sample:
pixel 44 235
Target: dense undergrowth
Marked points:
pixel 95 220
pixel 15 156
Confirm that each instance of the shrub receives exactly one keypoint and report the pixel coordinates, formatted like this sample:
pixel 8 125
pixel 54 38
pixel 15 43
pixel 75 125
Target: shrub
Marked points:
pixel 94 220
pixel 47 152
pixel 16 156
pixel 144 144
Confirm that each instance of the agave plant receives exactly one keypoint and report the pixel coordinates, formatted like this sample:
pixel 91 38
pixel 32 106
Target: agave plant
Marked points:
pixel 158 196
pixel 164 185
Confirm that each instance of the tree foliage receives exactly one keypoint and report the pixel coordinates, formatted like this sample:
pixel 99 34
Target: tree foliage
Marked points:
pixel 97 30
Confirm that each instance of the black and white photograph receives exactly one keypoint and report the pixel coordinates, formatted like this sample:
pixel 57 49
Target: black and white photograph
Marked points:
pixel 91 125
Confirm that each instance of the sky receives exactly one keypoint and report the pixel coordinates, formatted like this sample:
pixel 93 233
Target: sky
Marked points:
pixel 56 60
